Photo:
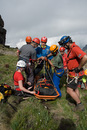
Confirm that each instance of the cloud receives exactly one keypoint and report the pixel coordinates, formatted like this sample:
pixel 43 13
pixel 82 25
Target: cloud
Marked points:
pixel 79 39
pixel 43 18
pixel 20 44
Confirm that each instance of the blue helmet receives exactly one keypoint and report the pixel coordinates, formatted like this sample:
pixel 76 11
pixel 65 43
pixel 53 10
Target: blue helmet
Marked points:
pixel 64 40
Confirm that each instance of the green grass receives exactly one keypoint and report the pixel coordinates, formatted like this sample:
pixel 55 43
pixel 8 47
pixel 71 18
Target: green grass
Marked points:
pixel 34 114
pixel 7 68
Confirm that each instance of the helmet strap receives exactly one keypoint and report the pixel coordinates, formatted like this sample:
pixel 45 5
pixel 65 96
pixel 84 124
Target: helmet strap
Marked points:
pixel 17 68
pixel 54 53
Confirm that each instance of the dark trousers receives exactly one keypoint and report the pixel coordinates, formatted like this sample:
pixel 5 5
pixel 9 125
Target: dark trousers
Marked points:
pixel 29 74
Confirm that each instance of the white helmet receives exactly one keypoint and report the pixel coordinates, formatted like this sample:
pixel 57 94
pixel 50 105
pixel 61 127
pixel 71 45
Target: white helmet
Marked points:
pixel 21 63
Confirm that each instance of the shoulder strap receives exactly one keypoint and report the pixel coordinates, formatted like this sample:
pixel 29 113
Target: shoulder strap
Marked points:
pixel 69 53
pixel 61 57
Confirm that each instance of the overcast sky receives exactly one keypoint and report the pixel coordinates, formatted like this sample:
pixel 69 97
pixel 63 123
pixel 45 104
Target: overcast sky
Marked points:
pixel 50 18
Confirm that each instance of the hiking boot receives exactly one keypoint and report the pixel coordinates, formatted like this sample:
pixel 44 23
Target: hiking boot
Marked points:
pixel 79 107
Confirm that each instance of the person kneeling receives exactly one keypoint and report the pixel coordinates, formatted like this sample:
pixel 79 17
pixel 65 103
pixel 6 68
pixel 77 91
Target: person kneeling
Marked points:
pixel 21 88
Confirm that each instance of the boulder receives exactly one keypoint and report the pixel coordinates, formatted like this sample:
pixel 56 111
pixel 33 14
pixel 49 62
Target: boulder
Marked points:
pixel 2 32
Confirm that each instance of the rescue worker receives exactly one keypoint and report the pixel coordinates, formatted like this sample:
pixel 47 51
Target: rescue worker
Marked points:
pixel 64 56
pixel 27 53
pixel 41 53
pixel 76 59
pixel 57 64
pixel 19 80
pixel 28 41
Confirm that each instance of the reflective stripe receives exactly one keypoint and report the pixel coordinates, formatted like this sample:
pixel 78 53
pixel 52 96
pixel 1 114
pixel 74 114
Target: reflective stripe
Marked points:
pixel 58 72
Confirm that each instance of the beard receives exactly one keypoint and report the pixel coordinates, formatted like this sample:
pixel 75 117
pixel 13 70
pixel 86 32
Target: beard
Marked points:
pixel 67 47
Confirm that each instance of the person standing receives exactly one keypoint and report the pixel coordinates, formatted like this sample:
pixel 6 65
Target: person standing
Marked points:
pixel 27 53
pixel 57 64
pixel 76 59
pixel 42 52
pixel 64 56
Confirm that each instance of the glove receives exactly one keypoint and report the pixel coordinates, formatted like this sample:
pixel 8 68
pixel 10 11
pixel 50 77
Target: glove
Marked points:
pixel 45 58
pixel 77 70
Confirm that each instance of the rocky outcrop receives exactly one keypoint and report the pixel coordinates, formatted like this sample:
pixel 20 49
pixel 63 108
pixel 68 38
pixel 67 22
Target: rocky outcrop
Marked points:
pixel 2 32
pixel 84 48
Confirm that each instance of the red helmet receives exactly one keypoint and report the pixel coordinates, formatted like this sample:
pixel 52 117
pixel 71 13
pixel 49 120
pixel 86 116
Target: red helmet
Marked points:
pixel 28 39
pixel 62 49
pixel 44 39
pixel 36 40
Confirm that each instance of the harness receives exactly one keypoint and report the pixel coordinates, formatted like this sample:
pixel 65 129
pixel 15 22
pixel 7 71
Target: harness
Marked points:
pixel 56 68
pixel 16 87
pixel 58 73
pixel 72 78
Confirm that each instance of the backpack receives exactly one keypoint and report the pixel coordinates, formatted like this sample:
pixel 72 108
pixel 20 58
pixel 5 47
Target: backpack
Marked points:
pixel 5 90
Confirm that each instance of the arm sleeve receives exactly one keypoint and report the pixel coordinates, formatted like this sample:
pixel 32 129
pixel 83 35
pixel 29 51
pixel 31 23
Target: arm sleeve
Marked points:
pixel 78 52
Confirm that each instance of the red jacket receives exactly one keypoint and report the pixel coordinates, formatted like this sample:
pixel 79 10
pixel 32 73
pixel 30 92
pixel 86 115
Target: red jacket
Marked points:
pixel 74 57
pixel 17 77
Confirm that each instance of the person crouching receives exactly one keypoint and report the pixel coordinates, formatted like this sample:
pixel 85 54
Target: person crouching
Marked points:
pixel 20 86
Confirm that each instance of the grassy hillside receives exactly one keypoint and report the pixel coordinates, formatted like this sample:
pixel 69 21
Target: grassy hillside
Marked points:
pixel 34 114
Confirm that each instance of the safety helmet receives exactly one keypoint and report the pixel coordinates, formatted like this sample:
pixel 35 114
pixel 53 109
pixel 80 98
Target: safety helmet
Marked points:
pixel 28 39
pixel 36 40
pixel 44 39
pixel 53 48
pixel 21 63
pixel 85 72
pixel 62 49
pixel 64 40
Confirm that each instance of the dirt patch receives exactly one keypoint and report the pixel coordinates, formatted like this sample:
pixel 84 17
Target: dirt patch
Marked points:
pixel 56 113
pixel 4 127
pixel 7 52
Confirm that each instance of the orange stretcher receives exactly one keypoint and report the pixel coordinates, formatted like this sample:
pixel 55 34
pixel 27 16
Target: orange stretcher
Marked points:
pixel 46 84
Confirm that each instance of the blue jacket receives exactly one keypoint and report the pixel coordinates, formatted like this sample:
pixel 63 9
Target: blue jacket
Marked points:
pixel 43 52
